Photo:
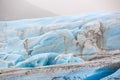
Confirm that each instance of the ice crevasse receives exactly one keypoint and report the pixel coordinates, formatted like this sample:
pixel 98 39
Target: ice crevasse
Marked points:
pixel 68 41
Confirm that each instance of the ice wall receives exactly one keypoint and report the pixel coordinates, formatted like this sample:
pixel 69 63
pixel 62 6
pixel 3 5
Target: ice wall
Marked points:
pixel 61 40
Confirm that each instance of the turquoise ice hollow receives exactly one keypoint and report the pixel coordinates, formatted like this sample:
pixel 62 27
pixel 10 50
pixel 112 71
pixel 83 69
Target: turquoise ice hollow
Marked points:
pixel 76 47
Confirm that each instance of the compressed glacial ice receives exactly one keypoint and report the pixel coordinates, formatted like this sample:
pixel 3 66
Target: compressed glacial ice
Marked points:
pixel 62 59
pixel 114 76
pixel 14 58
pixel 5 64
pixel 37 60
pixel 34 43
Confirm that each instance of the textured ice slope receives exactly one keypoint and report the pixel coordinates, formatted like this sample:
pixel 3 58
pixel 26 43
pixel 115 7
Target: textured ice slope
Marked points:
pixel 61 40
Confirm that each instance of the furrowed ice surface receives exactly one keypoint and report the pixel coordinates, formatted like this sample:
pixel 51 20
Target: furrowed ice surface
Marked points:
pixel 63 40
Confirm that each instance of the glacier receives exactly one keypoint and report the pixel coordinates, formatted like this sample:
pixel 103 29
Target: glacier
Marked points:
pixel 76 47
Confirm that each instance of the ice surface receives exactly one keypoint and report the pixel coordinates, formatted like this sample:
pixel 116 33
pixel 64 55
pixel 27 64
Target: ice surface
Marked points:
pixel 62 59
pixel 114 76
pixel 14 58
pixel 5 64
pixel 38 60
pixel 49 41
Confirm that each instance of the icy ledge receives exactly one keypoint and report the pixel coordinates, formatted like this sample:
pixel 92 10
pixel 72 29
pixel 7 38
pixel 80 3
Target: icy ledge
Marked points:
pixel 91 40
pixel 89 70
